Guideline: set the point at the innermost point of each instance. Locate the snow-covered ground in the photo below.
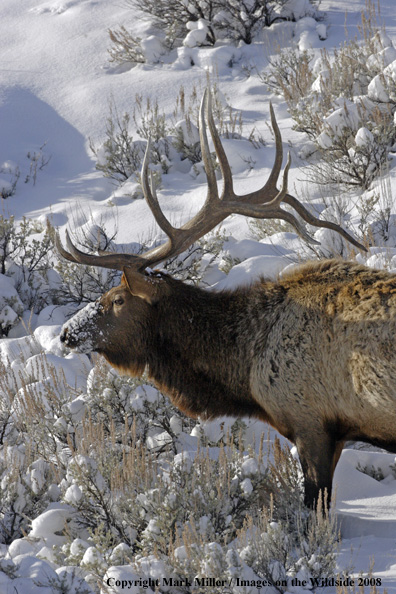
(56, 85)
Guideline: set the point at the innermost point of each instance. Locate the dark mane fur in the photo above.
(199, 356)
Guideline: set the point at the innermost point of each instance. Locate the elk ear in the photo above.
(151, 288)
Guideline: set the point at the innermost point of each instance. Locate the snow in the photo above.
(49, 522)
(376, 90)
(346, 116)
(198, 31)
(56, 84)
(244, 273)
(152, 49)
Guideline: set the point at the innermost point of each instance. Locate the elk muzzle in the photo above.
(81, 332)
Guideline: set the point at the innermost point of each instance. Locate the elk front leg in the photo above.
(319, 453)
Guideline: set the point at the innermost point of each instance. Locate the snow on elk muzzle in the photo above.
(80, 332)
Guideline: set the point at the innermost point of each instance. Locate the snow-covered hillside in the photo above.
(57, 88)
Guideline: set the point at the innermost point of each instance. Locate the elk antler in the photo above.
(264, 203)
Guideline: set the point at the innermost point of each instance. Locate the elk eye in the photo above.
(118, 301)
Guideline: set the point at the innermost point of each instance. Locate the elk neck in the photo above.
(201, 354)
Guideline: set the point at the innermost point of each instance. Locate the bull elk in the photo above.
(312, 353)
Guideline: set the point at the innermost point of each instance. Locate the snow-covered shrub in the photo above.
(79, 284)
(119, 157)
(141, 479)
(289, 74)
(352, 130)
(345, 104)
(115, 479)
(198, 260)
(11, 171)
(186, 140)
(184, 125)
(375, 473)
(128, 49)
(31, 440)
(379, 218)
(173, 17)
(38, 159)
(23, 492)
(278, 551)
(242, 21)
(130, 474)
(134, 443)
(173, 140)
(203, 22)
(228, 120)
(111, 397)
(264, 228)
(25, 269)
(353, 144)
(151, 124)
(8, 183)
(347, 72)
(125, 47)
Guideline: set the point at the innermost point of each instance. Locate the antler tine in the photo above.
(151, 196)
(213, 193)
(272, 210)
(228, 186)
(315, 222)
(111, 260)
(61, 250)
(282, 193)
(269, 190)
(273, 177)
(178, 238)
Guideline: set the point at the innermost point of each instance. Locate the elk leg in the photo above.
(319, 453)
(337, 453)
